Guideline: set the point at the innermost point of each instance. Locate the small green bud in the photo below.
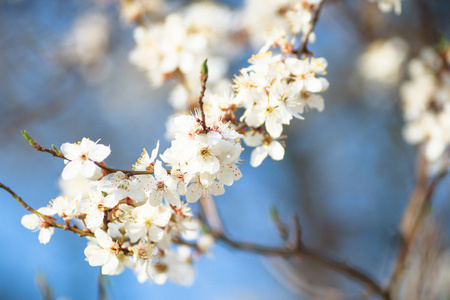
(26, 136)
(204, 69)
(30, 141)
(56, 150)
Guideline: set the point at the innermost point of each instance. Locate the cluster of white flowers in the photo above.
(203, 160)
(127, 222)
(426, 104)
(177, 46)
(273, 90)
(294, 16)
(140, 218)
(387, 6)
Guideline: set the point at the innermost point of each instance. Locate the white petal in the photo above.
(45, 234)
(228, 174)
(434, 149)
(194, 192)
(94, 219)
(172, 197)
(316, 101)
(104, 240)
(135, 231)
(274, 128)
(30, 221)
(99, 153)
(253, 138)
(312, 84)
(111, 266)
(160, 172)
(110, 201)
(325, 84)
(155, 198)
(276, 151)
(155, 234)
(88, 169)
(71, 170)
(206, 179)
(181, 188)
(162, 218)
(154, 152)
(258, 155)
(217, 189)
(96, 256)
(48, 211)
(70, 151)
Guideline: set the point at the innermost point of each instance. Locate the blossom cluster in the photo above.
(133, 220)
(175, 47)
(273, 90)
(141, 218)
(426, 104)
(294, 16)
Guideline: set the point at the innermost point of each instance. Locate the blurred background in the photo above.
(347, 171)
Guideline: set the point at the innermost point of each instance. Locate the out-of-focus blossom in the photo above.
(87, 46)
(382, 61)
(387, 6)
(426, 105)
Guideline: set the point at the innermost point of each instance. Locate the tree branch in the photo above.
(303, 47)
(415, 213)
(49, 219)
(55, 152)
(203, 79)
(210, 214)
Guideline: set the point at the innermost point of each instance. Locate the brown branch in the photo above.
(55, 152)
(414, 215)
(303, 47)
(48, 219)
(353, 272)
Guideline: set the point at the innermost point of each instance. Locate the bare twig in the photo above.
(55, 152)
(282, 228)
(207, 205)
(303, 47)
(48, 219)
(203, 79)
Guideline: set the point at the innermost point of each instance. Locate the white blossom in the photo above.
(34, 222)
(103, 251)
(81, 158)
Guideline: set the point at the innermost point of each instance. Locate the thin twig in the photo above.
(300, 250)
(203, 79)
(48, 219)
(55, 152)
(303, 47)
